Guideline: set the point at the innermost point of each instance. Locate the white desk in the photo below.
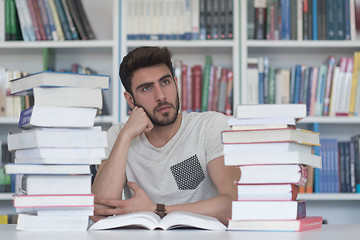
(327, 232)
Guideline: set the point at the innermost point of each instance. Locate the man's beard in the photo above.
(168, 119)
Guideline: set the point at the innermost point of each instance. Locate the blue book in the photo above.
(347, 20)
(297, 84)
(340, 20)
(330, 20)
(314, 19)
(316, 170)
(285, 19)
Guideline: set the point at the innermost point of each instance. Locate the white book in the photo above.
(69, 200)
(46, 169)
(28, 222)
(24, 85)
(56, 184)
(259, 158)
(46, 160)
(152, 221)
(57, 138)
(22, 20)
(26, 11)
(59, 153)
(67, 117)
(335, 91)
(65, 211)
(232, 121)
(68, 97)
(264, 192)
(270, 110)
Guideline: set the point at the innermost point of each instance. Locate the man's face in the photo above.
(154, 90)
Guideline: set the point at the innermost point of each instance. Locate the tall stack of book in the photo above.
(54, 151)
(273, 156)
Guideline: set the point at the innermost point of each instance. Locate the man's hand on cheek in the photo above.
(139, 202)
(138, 123)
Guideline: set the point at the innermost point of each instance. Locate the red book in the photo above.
(184, 90)
(298, 225)
(196, 87)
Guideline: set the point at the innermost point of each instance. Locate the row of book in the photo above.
(330, 89)
(55, 149)
(8, 219)
(274, 162)
(341, 168)
(179, 19)
(11, 105)
(7, 182)
(40, 20)
(205, 88)
(303, 19)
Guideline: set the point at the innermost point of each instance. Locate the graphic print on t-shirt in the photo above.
(188, 174)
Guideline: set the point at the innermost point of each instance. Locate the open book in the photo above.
(152, 221)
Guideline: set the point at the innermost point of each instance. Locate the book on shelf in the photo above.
(268, 210)
(68, 97)
(56, 184)
(265, 192)
(273, 173)
(25, 84)
(270, 135)
(273, 158)
(270, 110)
(32, 222)
(297, 225)
(43, 116)
(46, 169)
(59, 201)
(151, 221)
(55, 137)
(80, 19)
(59, 155)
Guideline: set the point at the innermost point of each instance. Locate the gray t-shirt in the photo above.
(176, 173)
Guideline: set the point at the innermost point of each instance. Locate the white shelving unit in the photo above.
(335, 208)
(101, 54)
(224, 52)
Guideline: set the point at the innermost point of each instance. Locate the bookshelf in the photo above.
(224, 52)
(100, 54)
(337, 208)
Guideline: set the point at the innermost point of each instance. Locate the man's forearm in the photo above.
(218, 207)
(110, 178)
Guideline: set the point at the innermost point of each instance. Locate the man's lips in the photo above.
(163, 108)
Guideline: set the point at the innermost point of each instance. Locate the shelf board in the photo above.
(6, 196)
(329, 196)
(8, 120)
(58, 44)
(301, 44)
(331, 120)
(183, 43)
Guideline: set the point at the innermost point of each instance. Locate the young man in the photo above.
(171, 161)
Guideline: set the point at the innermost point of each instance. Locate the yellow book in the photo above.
(354, 83)
(3, 219)
(57, 22)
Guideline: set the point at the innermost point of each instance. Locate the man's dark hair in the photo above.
(143, 57)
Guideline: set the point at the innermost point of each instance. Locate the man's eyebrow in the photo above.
(145, 84)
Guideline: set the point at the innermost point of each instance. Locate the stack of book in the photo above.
(273, 156)
(55, 149)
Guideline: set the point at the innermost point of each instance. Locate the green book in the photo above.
(205, 83)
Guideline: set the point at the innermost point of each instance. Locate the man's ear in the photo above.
(130, 100)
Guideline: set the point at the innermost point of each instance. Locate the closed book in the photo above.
(56, 184)
(265, 148)
(46, 169)
(93, 160)
(258, 158)
(264, 192)
(270, 135)
(268, 210)
(57, 79)
(70, 200)
(28, 222)
(68, 97)
(232, 121)
(55, 137)
(298, 225)
(58, 154)
(41, 116)
(278, 173)
(270, 110)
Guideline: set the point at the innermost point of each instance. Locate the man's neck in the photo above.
(159, 136)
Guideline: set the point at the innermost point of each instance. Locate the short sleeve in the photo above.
(217, 122)
(112, 134)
